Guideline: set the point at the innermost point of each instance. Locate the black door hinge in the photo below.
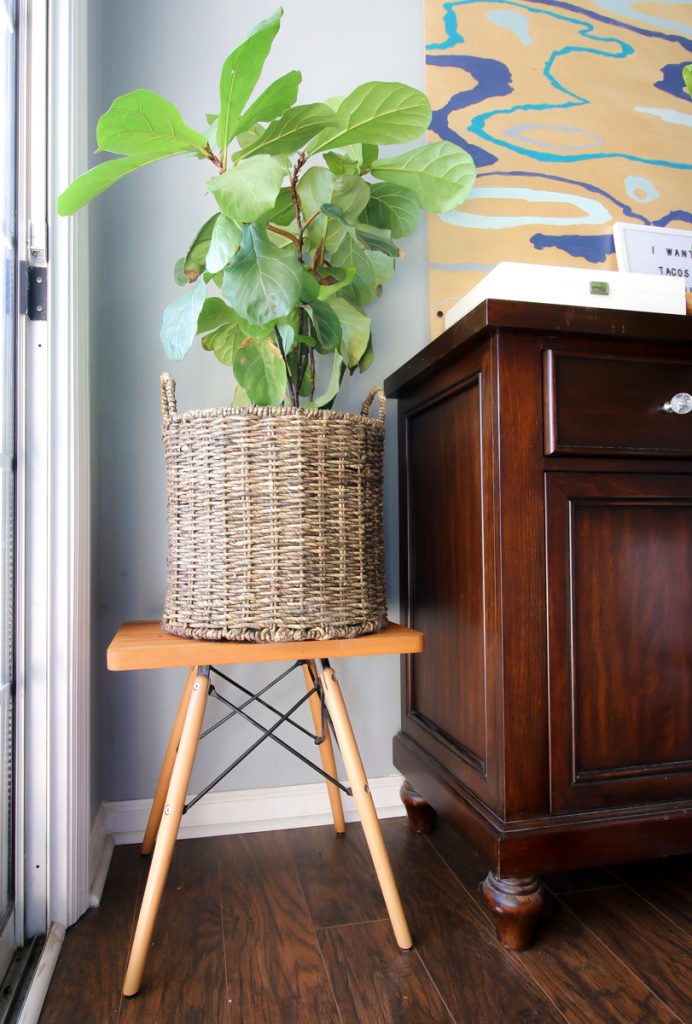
(33, 291)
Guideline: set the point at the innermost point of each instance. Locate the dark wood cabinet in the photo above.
(546, 552)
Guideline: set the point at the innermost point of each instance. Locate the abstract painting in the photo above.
(576, 117)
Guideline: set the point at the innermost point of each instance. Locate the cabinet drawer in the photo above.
(606, 405)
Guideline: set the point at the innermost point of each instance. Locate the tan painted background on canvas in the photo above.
(566, 157)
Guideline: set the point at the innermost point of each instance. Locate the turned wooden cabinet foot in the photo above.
(421, 816)
(516, 904)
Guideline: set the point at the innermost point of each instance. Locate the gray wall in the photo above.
(139, 229)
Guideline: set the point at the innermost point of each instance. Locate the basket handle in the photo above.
(169, 406)
(373, 393)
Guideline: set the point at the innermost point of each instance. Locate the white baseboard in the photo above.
(246, 810)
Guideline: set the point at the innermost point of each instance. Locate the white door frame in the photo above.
(54, 547)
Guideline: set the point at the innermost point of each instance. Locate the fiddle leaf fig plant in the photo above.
(307, 214)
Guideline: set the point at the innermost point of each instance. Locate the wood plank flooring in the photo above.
(290, 928)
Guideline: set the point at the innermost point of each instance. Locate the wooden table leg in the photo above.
(326, 750)
(159, 800)
(517, 905)
(366, 807)
(168, 830)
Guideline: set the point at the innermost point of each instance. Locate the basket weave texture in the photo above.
(275, 526)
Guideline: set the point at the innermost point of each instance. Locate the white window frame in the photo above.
(53, 481)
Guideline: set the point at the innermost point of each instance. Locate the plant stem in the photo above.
(304, 352)
(214, 158)
(293, 184)
(319, 255)
(292, 390)
(314, 374)
(286, 234)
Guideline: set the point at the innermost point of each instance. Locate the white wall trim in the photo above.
(100, 853)
(243, 810)
(36, 996)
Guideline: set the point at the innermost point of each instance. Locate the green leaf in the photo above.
(210, 132)
(282, 212)
(383, 266)
(339, 164)
(352, 195)
(440, 174)
(213, 313)
(195, 261)
(310, 287)
(307, 385)
(260, 371)
(240, 74)
(224, 342)
(179, 325)
(262, 282)
(179, 271)
(363, 287)
(687, 77)
(251, 330)
(91, 184)
(307, 382)
(288, 336)
(225, 239)
(327, 232)
(327, 325)
(247, 191)
(355, 331)
(240, 398)
(349, 198)
(377, 113)
(291, 131)
(377, 239)
(244, 138)
(337, 375)
(367, 284)
(314, 189)
(393, 207)
(305, 339)
(343, 275)
(331, 210)
(364, 155)
(355, 159)
(275, 99)
(366, 360)
(144, 122)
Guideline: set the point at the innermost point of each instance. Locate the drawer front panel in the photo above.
(620, 644)
(601, 405)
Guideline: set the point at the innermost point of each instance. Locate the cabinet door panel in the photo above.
(620, 642)
(451, 693)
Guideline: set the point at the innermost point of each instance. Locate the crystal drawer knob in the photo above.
(680, 404)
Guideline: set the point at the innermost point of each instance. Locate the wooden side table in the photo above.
(144, 645)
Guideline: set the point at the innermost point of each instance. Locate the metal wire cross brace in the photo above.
(318, 737)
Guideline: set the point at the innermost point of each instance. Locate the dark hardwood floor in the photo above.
(290, 928)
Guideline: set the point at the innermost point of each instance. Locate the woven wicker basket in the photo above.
(275, 527)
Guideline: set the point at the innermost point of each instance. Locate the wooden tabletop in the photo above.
(140, 645)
